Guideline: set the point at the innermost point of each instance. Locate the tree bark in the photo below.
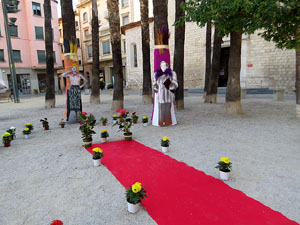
(298, 82)
(233, 93)
(95, 95)
(207, 57)
(50, 91)
(147, 84)
(179, 56)
(114, 26)
(212, 90)
(68, 20)
(160, 12)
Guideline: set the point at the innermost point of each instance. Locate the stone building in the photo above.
(28, 43)
(262, 64)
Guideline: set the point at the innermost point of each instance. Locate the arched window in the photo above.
(133, 54)
(84, 17)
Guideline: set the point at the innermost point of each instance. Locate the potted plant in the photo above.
(115, 119)
(86, 128)
(35, 91)
(62, 123)
(97, 156)
(134, 194)
(45, 123)
(145, 121)
(103, 120)
(26, 132)
(12, 132)
(165, 143)
(30, 126)
(125, 123)
(224, 167)
(6, 139)
(104, 135)
(134, 118)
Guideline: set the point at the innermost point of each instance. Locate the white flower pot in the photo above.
(97, 162)
(26, 136)
(104, 139)
(145, 124)
(164, 149)
(224, 175)
(133, 208)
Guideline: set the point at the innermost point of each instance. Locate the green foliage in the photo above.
(35, 91)
(281, 22)
(26, 132)
(165, 143)
(134, 117)
(124, 123)
(12, 132)
(87, 125)
(110, 86)
(30, 127)
(102, 85)
(98, 155)
(44, 122)
(145, 119)
(135, 198)
(104, 134)
(103, 120)
(6, 137)
(225, 167)
(227, 15)
(62, 122)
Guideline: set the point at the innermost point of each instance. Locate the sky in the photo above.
(75, 2)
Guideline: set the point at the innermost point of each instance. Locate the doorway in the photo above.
(223, 78)
(23, 83)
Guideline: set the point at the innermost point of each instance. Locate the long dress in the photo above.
(163, 113)
(74, 102)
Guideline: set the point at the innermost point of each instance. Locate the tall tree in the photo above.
(147, 86)
(212, 89)
(68, 20)
(179, 55)
(207, 57)
(115, 36)
(95, 95)
(233, 17)
(50, 91)
(160, 12)
(281, 24)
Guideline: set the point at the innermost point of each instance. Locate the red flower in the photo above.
(84, 113)
(56, 222)
(121, 111)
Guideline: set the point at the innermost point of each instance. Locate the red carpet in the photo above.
(180, 194)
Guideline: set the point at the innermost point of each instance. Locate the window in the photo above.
(86, 34)
(13, 30)
(124, 3)
(133, 56)
(41, 56)
(89, 51)
(52, 34)
(17, 55)
(2, 55)
(125, 20)
(105, 47)
(76, 23)
(78, 43)
(36, 8)
(54, 58)
(85, 17)
(124, 46)
(39, 33)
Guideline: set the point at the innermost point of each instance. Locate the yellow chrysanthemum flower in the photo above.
(28, 124)
(136, 188)
(97, 150)
(100, 150)
(103, 131)
(165, 138)
(225, 160)
(144, 117)
(114, 115)
(6, 134)
(26, 129)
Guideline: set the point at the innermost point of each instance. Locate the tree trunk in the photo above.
(50, 92)
(207, 57)
(298, 82)
(147, 85)
(114, 26)
(68, 20)
(95, 95)
(160, 12)
(179, 56)
(233, 93)
(212, 90)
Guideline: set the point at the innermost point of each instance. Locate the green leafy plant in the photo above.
(145, 119)
(224, 164)
(12, 133)
(30, 126)
(110, 86)
(103, 120)
(26, 131)
(6, 137)
(87, 125)
(98, 153)
(35, 91)
(62, 122)
(104, 134)
(134, 117)
(135, 193)
(124, 122)
(165, 142)
(102, 85)
(44, 122)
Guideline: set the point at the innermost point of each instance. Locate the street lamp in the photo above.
(11, 6)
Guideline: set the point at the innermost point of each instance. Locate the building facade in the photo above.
(28, 44)
(262, 64)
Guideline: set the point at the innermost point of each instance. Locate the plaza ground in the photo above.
(50, 176)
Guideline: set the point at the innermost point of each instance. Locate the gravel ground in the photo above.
(50, 176)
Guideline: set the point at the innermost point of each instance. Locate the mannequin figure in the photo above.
(164, 86)
(74, 93)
